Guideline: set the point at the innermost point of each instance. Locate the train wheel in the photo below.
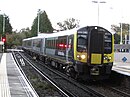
(40, 58)
(70, 72)
(53, 64)
(34, 57)
(47, 62)
(57, 65)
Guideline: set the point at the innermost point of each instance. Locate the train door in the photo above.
(70, 48)
(96, 50)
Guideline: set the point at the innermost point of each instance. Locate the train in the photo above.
(85, 53)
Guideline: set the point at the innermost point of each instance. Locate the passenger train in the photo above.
(83, 53)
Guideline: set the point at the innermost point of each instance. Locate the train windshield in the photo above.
(107, 42)
(100, 41)
(82, 40)
(96, 41)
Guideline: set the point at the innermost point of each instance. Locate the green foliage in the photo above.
(68, 24)
(117, 38)
(45, 25)
(117, 29)
(8, 27)
(26, 33)
(15, 39)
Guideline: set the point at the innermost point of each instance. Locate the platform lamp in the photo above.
(121, 35)
(98, 7)
(129, 34)
(3, 34)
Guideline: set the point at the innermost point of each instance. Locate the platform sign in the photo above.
(124, 59)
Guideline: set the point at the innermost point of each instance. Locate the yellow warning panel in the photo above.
(96, 58)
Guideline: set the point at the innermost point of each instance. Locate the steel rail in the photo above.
(62, 91)
(28, 93)
(84, 88)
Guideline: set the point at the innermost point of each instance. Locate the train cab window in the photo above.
(107, 42)
(82, 40)
(96, 41)
(104, 43)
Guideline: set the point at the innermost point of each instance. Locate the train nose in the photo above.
(94, 71)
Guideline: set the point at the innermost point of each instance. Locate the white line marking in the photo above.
(4, 85)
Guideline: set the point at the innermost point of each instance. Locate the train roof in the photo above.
(56, 34)
(37, 37)
(62, 33)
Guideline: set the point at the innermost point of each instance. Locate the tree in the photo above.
(15, 39)
(8, 27)
(45, 25)
(117, 38)
(12, 40)
(117, 29)
(68, 24)
(26, 32)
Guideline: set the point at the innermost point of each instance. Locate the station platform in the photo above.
(12, 81)
(122, 68)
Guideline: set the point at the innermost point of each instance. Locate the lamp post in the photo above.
(98, 7)
(3, 36)
(38, 23)
(4, 23)
(121, 35)
(2, 32)
(129, 34)
(3, 28)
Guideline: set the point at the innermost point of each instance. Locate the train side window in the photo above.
(54, 43)
(46, 44)
(49, 43)
(28, 43)
(61, 43)
(38, 44)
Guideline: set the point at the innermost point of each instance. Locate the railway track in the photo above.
(122, 93)
(109, 90)
(68, 87)
(113, 86)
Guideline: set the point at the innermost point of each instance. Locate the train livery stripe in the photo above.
(75, 46)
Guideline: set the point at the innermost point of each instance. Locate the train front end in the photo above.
(94, 52)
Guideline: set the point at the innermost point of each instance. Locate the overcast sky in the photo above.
(23, 12)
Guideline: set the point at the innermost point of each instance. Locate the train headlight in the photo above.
(110, 58)
(78, 56)
(83, 56)
(105, 57)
